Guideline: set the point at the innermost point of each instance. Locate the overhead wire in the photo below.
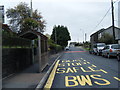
(105, 15)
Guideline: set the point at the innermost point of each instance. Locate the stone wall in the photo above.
(15, 59)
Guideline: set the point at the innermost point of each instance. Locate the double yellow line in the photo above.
(51, 77)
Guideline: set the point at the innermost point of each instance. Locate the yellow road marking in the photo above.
(51, 77)
(94, 65)
(88, 62)
(117, 78)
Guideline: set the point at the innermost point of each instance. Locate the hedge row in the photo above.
(15, 42)
(55, 47)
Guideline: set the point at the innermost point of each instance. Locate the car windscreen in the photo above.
(100, 45)
(115, 46)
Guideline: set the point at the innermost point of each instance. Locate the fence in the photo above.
(15, 59)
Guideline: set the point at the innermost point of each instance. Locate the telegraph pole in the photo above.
(31, 9)
(113, 20)
(55, 36)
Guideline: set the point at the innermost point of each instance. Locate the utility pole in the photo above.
(55, 36)
(31, 9)
(113, 20)
(85, 37)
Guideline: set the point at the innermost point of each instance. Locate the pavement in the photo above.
(77, 69)
(28, 78)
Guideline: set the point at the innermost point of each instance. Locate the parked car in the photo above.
(111, 50)
(118, 55)
(97, 48)
(66, 48)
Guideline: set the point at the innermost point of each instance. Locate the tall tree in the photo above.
(20, 15)
(60, 35)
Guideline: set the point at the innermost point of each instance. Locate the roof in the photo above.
(32, 34)
(6, 27)
(101, 30)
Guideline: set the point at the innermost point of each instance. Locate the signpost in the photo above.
(1, 21)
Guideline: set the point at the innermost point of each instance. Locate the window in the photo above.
(107, 47)
(115, 46)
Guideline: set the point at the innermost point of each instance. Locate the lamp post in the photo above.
(82, 33)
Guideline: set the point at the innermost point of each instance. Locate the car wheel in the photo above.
(102, 55)
(118, 57)
(90, 52)
(97, 54)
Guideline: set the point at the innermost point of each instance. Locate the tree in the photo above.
(28, 24)
(20, 15)
(60, 35)
(107, 38)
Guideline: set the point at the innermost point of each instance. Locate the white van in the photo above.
(97, 48)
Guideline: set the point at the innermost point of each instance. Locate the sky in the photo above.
(79, 16)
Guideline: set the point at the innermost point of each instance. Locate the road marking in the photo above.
(51, 77)
(92, 69)
(83, 80)
(88, 62)
(94, 65)
(74, 51)
(117, 78)
(81, 58)
(98, 77)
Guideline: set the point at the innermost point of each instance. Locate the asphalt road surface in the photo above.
(77, 68)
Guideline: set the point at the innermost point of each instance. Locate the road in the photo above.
(77, 68)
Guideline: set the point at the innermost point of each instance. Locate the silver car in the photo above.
(111, 50)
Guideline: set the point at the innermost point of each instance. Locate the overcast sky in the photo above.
(80, 16)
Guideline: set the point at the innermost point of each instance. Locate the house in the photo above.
(94, 38)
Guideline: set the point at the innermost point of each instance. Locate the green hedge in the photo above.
(55, 47)
(15, 42)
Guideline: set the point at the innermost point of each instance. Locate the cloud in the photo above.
(75, 14)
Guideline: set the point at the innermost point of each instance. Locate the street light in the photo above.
(82, 33)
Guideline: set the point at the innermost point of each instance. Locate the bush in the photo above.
(58, 48)
(10, 39)
(53, 46)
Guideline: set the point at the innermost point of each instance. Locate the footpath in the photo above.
(27, 79)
